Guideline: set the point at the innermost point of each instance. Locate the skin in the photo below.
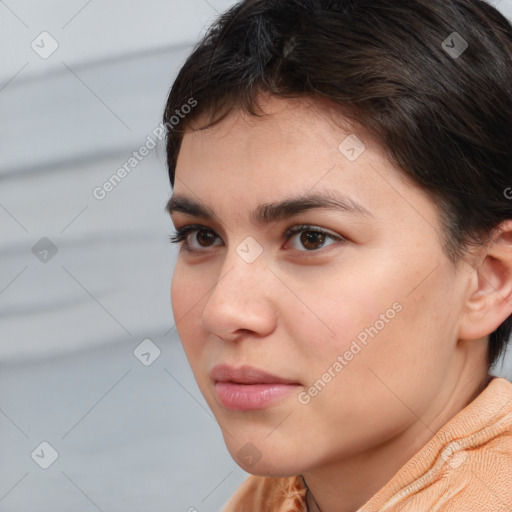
(295, 309)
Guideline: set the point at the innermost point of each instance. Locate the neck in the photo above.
(346, 485)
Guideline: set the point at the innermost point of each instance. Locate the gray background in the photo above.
(129, 437)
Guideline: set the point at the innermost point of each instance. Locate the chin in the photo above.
(270, 470)
(265, 460)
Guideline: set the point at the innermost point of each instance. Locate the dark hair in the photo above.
(441, 110)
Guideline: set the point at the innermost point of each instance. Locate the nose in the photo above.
(241, 303)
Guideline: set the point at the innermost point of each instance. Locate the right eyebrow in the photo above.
(183, 204)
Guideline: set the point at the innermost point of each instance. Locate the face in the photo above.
(336, 314)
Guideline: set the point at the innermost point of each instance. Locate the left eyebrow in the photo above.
(275, 211)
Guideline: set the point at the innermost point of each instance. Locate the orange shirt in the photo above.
(465, 467)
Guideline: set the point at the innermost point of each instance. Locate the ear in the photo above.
(490, 301)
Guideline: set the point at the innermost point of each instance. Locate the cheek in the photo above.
(335, 312)
(178, 293)
(368, 317)
(185, 301)
(186, 292)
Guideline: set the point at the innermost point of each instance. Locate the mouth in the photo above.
(247, 388)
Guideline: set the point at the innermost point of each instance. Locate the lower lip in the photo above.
(250, 397)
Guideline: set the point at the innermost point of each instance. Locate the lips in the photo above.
(246, 375)
(247, 388)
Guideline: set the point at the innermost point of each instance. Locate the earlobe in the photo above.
(489, 303)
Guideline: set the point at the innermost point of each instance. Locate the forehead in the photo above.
(294, 148)
(293, 143)
(286, 123)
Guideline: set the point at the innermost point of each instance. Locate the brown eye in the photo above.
(312, 240)
(195, 238)
(205, 238)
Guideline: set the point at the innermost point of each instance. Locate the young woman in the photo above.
(342, 174)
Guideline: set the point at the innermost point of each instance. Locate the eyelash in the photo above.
(182, 233)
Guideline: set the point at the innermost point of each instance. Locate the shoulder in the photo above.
(467, 465)
(475, 463)
(265, 494)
